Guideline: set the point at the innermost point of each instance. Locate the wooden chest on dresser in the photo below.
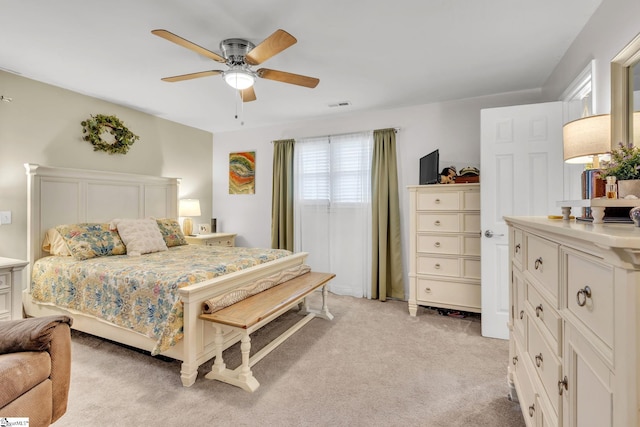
(574, 322)
(444, 247)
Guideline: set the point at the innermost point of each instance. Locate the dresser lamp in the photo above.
(187, 209)
(587, 140)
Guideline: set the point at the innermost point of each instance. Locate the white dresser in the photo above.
(444, 247)
(575, 322)
(11, 282)
(212, 239)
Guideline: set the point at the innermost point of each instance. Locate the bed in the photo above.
(74, 196)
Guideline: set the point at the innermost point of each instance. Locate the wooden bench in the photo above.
(252, 313)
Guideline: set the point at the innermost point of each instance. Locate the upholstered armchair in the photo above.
(35, 368)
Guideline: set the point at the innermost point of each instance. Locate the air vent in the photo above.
(340, 104)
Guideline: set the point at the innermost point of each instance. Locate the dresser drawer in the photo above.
(546, 363)
(471, 245)
(590, 294)
(429, 243)
(444, 201)
(546, 316)
(471, 268)
(448, 293)
(518, 301)
(518, 247)
(471, 200)
(524, 385)
(438, 266)
(471, 223)
(542, 263)
(5, 281)
(439, 222)
(220, 242)
(5, 304)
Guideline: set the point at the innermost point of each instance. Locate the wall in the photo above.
(452, 127)
(42, 125)
(612, 26)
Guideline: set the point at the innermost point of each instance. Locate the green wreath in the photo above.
(96, 125)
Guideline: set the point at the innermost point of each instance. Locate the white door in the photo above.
(521, 174)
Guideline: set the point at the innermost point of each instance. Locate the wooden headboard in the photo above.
(68, 196)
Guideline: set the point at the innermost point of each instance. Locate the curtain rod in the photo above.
(395, 129)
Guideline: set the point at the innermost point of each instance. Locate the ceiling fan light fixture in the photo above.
(238, 79)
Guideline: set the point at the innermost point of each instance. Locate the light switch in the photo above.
(5, 217)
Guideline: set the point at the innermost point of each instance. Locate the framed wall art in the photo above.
(242, 169)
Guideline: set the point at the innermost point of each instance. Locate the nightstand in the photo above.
(11, 288)
(212, 239)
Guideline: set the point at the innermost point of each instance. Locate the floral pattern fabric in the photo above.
(139, 293)
(171, 232)
(90, 240)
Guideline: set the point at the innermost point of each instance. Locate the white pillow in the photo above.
(55, 244)
(140, 236)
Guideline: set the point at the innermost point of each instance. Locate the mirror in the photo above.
(635, 90)
(625, 88)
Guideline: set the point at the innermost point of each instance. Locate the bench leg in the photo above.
(240, 377)
(218, 364)
(323, 313)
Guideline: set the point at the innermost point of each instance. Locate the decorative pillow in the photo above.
(140, 236)
(55, 244)
(171, 232)
(90, 240)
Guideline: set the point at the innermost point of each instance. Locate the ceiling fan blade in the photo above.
(189, 45)
(191, 76)
(248, 94)
(282, 76)
(272, 45)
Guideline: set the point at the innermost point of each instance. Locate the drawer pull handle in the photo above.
(539, 310)
(532, 410)
(564, 384)
(518, 248)
(538, 263)
(515, 360)
(582, 295)
(427, 290)
(437, 201)
(437, 223)
(539, 360)
(436, 244)
(521, 314)
(437, 266)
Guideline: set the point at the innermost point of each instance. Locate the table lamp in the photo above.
(587, 140)
(187, 209)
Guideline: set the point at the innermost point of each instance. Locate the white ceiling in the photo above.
(375, 55)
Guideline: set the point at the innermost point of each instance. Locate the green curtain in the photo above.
(282, 191)
(386, 272)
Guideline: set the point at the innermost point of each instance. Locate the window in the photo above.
(335, 170)
(332, 180)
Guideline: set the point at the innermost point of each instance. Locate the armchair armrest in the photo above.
(32, 334)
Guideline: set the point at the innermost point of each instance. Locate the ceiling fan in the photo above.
(240, 55)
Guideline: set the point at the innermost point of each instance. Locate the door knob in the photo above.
(490, 234)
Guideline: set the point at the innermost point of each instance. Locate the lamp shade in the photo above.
(584, 140)
(238, 79)
(189, 207)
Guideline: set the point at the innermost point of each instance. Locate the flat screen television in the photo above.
(429, 168)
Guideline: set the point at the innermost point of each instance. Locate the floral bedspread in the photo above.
(139, 293)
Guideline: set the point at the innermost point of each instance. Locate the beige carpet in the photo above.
(373, 365)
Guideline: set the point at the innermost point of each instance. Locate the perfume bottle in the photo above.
(611, 188)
